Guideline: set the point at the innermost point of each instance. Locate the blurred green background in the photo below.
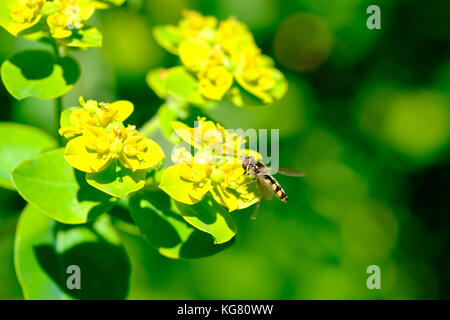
(367, 115)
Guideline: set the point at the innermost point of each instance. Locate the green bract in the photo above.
(117, 180)
(160, 223)
(208, 217)
(85, 38)
(39, 74)
(49, 183)
(44, 250)
(18, 143)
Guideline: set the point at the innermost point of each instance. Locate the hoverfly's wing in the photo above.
(264, 190)
(285, 171)
(292, 172)
(268, 171)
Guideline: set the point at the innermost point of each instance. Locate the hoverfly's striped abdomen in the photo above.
(276, 188)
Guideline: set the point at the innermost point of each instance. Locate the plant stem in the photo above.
(55, 47)
(150, 126)
(58, 100)
(178, 108)
(58, 111)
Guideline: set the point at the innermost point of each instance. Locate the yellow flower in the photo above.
(78, 119)
(24, 14)
(214, 82)
(70, 16)
(195, 54)
(92, 113)
(234, 36)
(195, 25)
(63, 17)
(230, 182)
(181, 155)
(256, 74)
(216, 167)
(98, 137)
(218, 55)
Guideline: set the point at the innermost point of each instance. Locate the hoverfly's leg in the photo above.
(255, 212)
(249, 181)
(247, 174)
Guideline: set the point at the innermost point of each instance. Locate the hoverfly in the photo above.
(267, 184)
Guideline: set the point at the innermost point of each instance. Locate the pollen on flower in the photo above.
(217, 176)
(204, 157)
(181, 155)
(116, 148)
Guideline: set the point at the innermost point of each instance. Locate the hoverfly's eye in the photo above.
(245, 163)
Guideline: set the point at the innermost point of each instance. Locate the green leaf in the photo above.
(166, 116)
(44, 249)
(86, 37)
(5, 17)
(155, 80)
(39, 74)
(281, 85)
(242, 98)
(49, 8)
(114, 2)
(182, 84)
(161, 225)
(117, 180)
(52, 185)
(18, 143)
(168, 37)
(65, 116)
(208, 216)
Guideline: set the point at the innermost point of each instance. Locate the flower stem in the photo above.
(150, 126)
(58, 111)
(58, 100)
(55, 47)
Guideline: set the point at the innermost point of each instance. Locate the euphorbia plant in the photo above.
(101, 168)
(218, 61)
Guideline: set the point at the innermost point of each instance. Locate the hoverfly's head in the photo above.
(247, 161)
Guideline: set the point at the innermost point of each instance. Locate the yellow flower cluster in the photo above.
(70, 16)
(98, 136)
(219, 53)
(216, 167)
(24, 14)
(63, 16)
